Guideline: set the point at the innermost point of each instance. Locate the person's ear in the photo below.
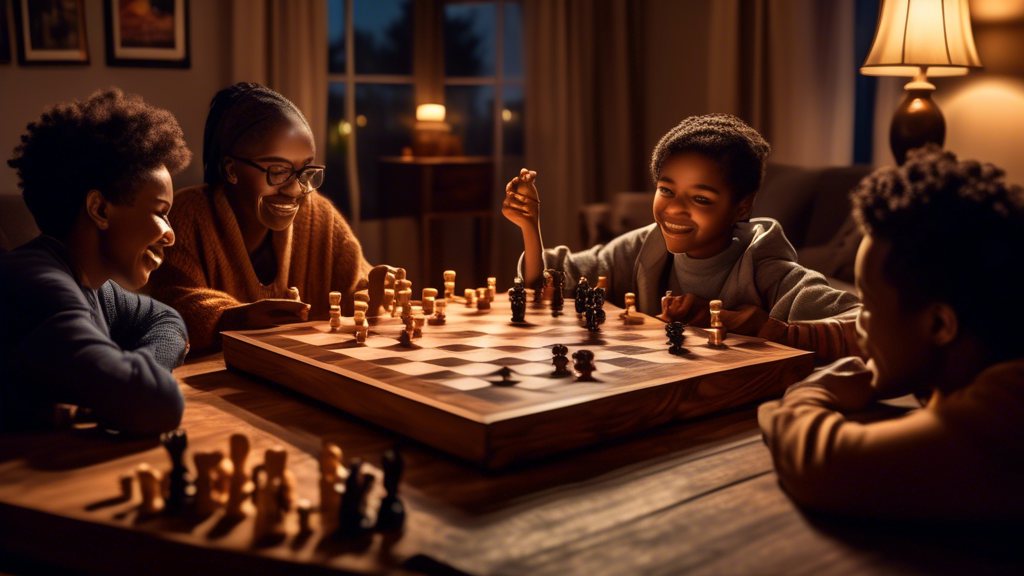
(743, 209)
(227, 170)
(944, 324)
(96, 208)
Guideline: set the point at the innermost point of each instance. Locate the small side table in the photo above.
(447, 188)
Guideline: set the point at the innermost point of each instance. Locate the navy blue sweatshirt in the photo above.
(110, 350)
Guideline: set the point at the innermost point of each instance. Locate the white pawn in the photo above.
(429, 297)
(492, 288)
(449, 284)
(332, 484)
(239, 504)
(359, 316)
(470, 295)
(335, 300)
(439, 308)
(482, 303)
(151, 487)
(628, 315)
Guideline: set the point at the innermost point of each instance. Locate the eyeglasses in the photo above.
(310, 177)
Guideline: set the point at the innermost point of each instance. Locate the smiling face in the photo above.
(898, 342)
(694, 206)
(287, 143)
(133, 243)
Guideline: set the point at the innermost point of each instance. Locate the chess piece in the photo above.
(583, 365)
(332, 484)
(429, 297)
(182, 485)
(439, 309)
(674, 331)
(506, 377)
(388, 301)
(629, 315)
(602, 282)
(400, 284)
(470, 295)
(560, 361)
(717, 331)
(557, 285)
(482, 303)
(335, 307)
(405, 299)
(151, 487)
(417, 326)
(359, 319)
(449, 284)
(293, 294)
(580, 296)
(391, 515)
(517, 299)
(406, 336)
(275, 493)
(599, 293)
(126, 481)
(352, 520)
(492, 288)
(305, 510)
(213, 481)
(239, 504)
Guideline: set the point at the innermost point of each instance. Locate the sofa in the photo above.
(812, 204)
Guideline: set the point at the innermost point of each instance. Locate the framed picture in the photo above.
(50, 32)
(5, 38)
(152, 33)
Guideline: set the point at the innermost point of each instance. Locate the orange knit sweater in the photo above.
(208, 268)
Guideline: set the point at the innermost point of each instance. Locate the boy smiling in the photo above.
(707, 171)
(940, 319)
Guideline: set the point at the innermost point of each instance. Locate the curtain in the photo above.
(583, 126)
(787, 68)
(282, 44)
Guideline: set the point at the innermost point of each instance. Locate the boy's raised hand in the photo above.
(522, 202)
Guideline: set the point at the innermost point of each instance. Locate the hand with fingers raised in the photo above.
(522, 202)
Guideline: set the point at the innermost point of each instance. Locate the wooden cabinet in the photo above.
(451, 198)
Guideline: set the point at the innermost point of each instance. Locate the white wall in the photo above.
(26, 90)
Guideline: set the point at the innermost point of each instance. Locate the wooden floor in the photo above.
(698, 497)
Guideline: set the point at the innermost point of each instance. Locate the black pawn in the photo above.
(599, 294)
(351, 520)
(517, 298)
(392, 511)
(560, 361)
(674, 331)
(583, 365)
(557, 299)
(581, 295)
(182, 486)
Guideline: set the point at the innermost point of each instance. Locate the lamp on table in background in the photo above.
(917, 38)
(432, 135)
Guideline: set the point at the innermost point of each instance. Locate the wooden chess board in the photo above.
(442, 390)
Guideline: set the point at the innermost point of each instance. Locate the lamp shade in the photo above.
(430, 113)
(922, 33)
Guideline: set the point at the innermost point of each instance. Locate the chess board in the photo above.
(445, 390)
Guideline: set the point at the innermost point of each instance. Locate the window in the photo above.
(372, 94)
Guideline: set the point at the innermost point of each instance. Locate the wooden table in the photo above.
(697, 497)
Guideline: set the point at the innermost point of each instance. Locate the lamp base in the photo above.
(917, 122)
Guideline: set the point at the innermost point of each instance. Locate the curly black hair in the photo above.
(237, 113)
(739, 149)
(107, 142)
(956, 231)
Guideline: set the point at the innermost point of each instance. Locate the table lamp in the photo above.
(917, 38)
(430, 133)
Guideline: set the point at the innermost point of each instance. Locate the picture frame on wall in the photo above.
(147, 34)
(50, 32)
(5, 38)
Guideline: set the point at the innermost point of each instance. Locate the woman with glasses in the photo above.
(257, 226)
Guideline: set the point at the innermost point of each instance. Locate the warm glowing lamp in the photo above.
(917, 38)
(431, 131)
(430, 113)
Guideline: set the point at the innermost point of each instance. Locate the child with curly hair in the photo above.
(96, 176)
(703, 246)
(942, 320)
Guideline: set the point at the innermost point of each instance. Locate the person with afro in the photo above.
(96, 176)
(941, 320)
(703, 246)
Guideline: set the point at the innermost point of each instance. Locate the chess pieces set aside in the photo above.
(353, 500)
(583, 363)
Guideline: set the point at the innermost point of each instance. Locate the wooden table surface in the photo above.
(697, 497)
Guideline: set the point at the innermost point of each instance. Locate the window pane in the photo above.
(336, 36)
(469, 31)
(339, 138)
(470, 111)
(512, 39)
(383, 36)
(384, 120)
(512, 120)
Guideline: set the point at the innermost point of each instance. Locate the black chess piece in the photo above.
(182, 486)
(674, 331)
(352, 522)
(599, 294)
(560, 361)
(583, 365)
(517, 298)
(391, 516)
(558, 284)
(506, 377)
(581, 295)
